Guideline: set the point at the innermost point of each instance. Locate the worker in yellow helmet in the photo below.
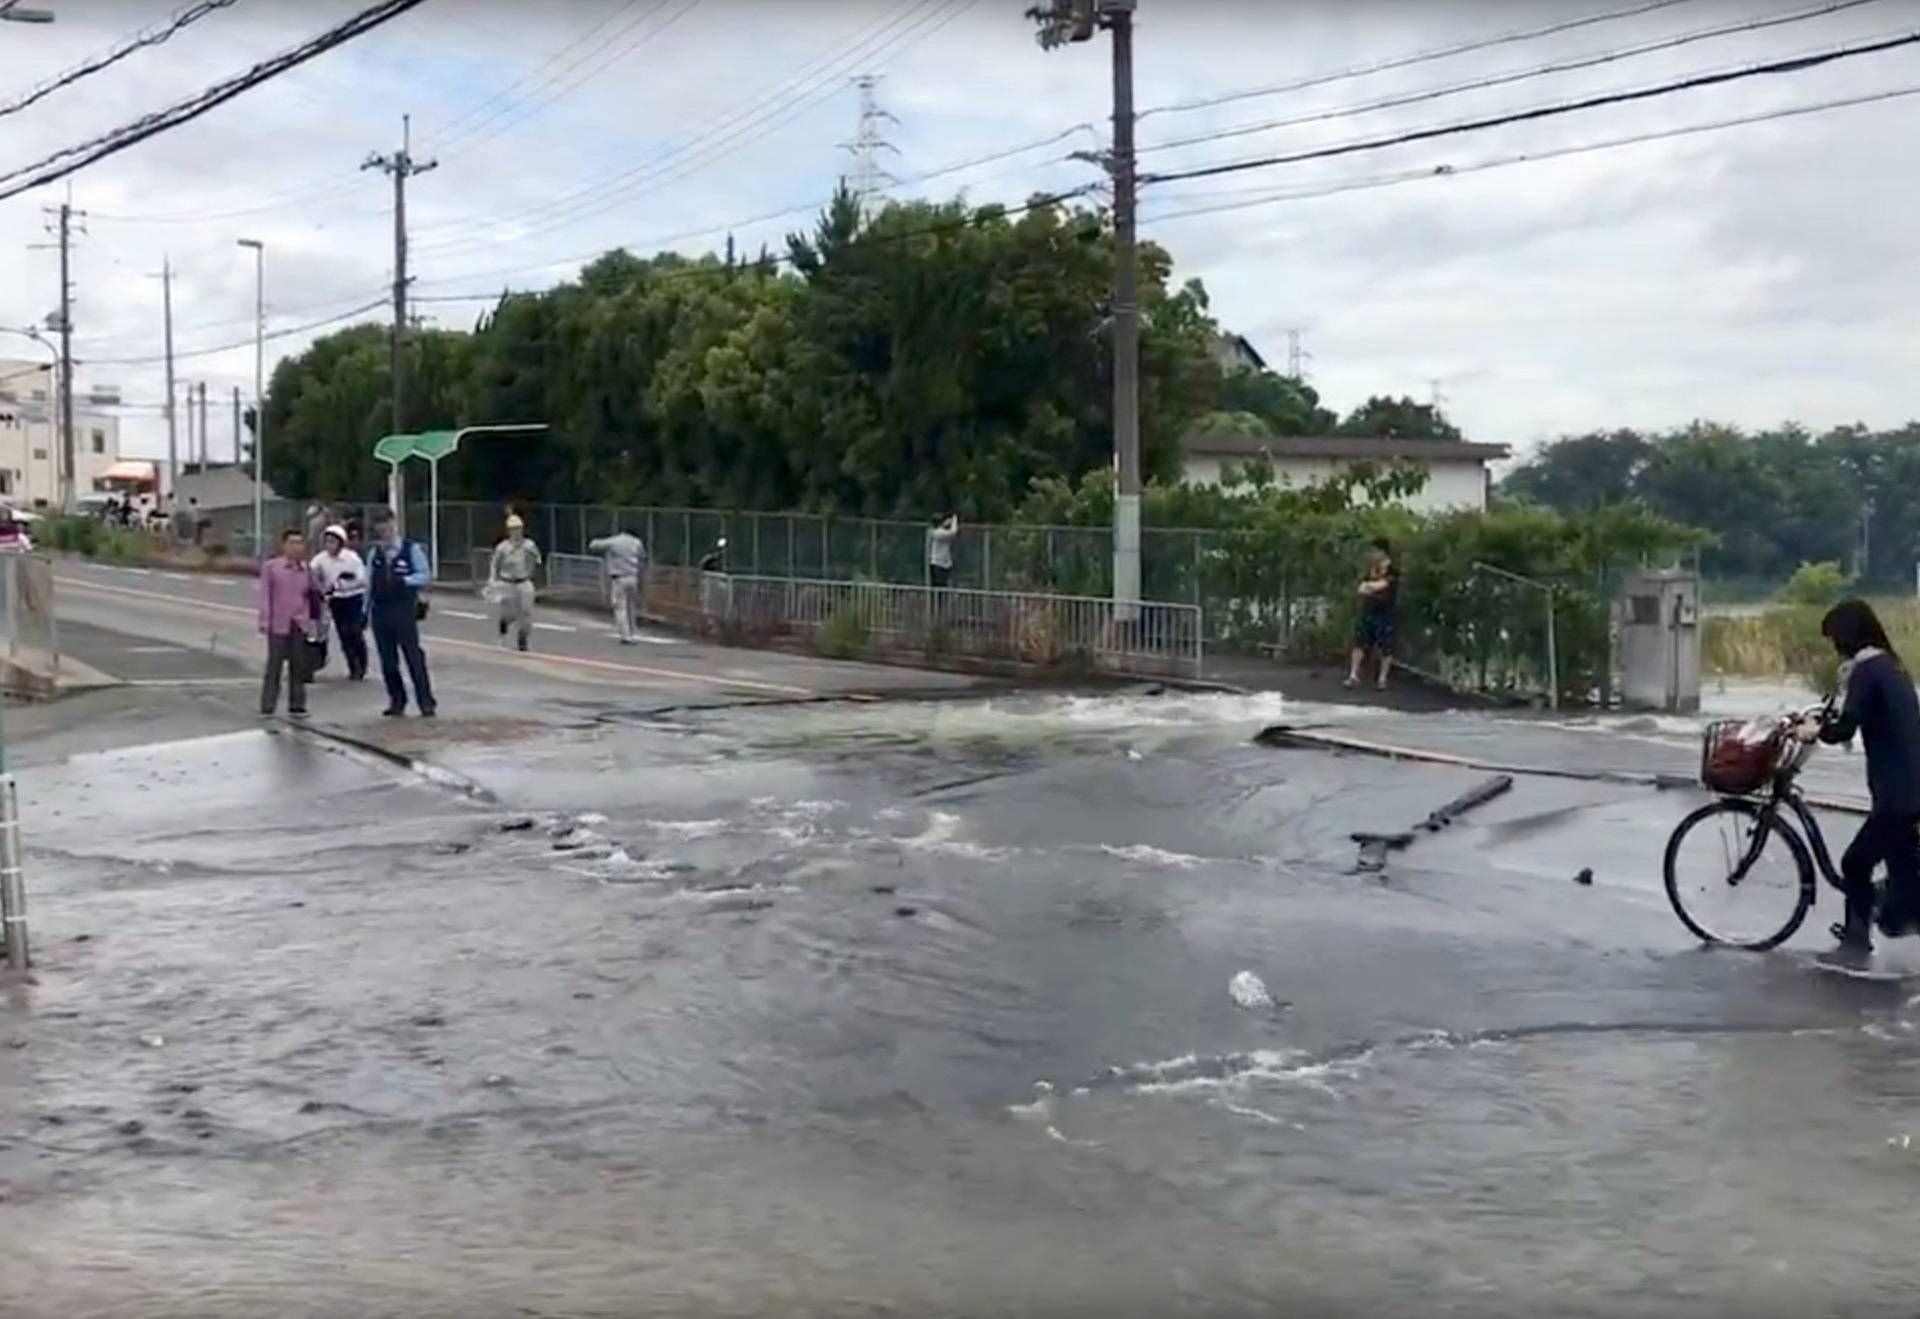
(510, 580)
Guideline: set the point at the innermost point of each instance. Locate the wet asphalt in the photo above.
(988, 1004)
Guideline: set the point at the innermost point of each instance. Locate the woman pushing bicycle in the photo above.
(1878, 702)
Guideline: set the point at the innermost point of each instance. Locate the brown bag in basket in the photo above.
(1739, 757)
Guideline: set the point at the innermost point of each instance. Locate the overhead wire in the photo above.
(772, 111)
(1268, 197)
(248, 342)
(1232, 131)
(71, 159)
(1408, 61)
(599, 60)
(139, 41)
(1792, 64)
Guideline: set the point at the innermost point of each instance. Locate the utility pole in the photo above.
(206, 455)
(401, 166)
(869, 180)
(1071, 21)
(236, 425)
(63, 226)
(173, 433)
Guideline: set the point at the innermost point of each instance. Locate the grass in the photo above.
(1785, 642)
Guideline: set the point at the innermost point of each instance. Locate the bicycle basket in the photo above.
(1740, 756)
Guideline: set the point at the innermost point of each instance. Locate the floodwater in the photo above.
(1034, 1006)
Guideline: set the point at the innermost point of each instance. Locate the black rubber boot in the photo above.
(1854, 933)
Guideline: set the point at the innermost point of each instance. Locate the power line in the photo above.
(247, 342)
(1795, 64)
(138, 42)
(1506, 79)
(977, 216)
(1408, 61)
(712, 144)
(507, 117)
(69, 160)
(659, 240)
(445, 132)
(1269, 198)
(334, 182)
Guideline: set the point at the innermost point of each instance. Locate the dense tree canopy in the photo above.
(1772, 500)
(928, 357)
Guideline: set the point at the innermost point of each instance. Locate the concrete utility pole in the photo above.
(173, 433)
(65, 215)
(401, 166)
(236, 425)
(206, 447)
(1077, 20)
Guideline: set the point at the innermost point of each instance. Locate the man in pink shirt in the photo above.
(287, 622)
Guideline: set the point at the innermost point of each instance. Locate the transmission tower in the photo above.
(869, 179)
(1297, 355)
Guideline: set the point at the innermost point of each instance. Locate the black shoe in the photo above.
(430, 712)
(503, 627)
(523, 643)
(1852, 936)
(297, 714)
(395, 712)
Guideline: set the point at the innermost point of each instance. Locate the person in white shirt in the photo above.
(340, 576)
(940, 550)
(626, 558)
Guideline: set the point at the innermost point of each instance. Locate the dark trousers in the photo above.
(288, 650)
(350, 624)
(1884, 839)
(396, 635)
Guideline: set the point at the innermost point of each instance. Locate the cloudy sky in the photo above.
(1754, 274)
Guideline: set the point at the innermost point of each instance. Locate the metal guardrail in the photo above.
(1160, 640)
(581, 577)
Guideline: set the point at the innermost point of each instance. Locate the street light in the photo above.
(259, 391)
(11, 12)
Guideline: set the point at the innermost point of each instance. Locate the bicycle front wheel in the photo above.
(1739, 875)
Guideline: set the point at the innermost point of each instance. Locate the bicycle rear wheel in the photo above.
(1732, 884)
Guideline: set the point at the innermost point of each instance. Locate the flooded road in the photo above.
(1037, 1005)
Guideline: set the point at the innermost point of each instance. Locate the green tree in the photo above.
(1383, 417)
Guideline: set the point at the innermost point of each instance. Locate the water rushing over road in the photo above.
(921, 1008)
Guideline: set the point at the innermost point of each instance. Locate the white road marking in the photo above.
(479, 649)
(139, 572)
(156, 650)
(176, 577)
(461, 613)
(553, 627)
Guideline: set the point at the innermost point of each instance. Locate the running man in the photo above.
(515, 561)
(626, 556)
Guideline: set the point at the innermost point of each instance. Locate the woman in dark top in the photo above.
(1878, 703)
(1379, 606)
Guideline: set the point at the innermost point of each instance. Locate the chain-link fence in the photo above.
(1467, 624)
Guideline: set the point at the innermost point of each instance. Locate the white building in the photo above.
(30, 437)
(1459, 474)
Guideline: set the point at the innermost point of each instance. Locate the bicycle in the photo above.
(1754, 768)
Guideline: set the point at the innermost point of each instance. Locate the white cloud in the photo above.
(1753, 274)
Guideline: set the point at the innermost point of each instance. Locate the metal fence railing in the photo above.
(1048, 631)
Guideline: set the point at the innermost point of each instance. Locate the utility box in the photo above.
(1659, 630)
